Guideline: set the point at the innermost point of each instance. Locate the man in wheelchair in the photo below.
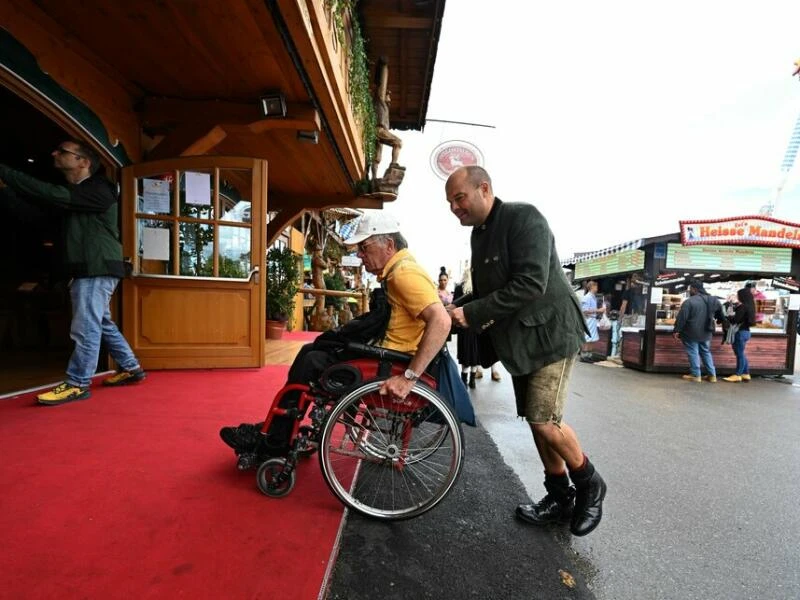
(413, 321)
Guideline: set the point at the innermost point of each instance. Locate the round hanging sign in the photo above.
(449, 156)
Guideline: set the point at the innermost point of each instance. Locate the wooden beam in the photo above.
(193, 128)
(191, 139)
(405, 75)
(166, 112)
(399, 22)
(299, 118)
(282, 201)
(280, 222)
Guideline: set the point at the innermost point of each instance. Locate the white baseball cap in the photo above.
(375, 222)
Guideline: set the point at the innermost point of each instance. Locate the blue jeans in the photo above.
(696, 351)
(91, 324)
(616, 337)
(739, 342)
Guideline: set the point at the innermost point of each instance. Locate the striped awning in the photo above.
(584, 256)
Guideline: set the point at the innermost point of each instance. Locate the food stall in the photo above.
(613, 269)
(724, 254)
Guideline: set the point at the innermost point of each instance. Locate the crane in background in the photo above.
(788, 160)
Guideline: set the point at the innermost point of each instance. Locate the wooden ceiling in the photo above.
(406, 32)
(188, 76)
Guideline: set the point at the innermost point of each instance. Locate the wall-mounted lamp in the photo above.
(310, 137)
(273, 104)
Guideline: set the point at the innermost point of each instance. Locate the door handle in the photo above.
(254, 275)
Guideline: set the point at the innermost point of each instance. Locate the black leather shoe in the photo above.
(243, 438)
(588, 506)
(548, 510)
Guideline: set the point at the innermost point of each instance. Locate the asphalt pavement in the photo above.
(703, 482)
(702, 501)
(469, 546)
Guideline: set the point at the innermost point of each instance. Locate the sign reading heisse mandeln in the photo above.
(449, 156)
(741, 231)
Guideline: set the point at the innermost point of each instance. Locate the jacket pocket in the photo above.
(540, 316)
(537, 326)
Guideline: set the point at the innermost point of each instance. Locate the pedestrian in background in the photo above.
(466, 340)
(743, 318)
(694, 327)
(445, 295)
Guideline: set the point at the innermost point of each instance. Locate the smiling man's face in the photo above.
(470, 203)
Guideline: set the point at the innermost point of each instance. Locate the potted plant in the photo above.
(283, 282)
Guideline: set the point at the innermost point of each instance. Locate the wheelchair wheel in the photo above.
(272, 478)
(391, 459)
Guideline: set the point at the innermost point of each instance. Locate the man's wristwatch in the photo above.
(410, 375)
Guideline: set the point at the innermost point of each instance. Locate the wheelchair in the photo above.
(382, 457)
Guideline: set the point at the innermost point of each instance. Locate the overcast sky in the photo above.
(615, 119)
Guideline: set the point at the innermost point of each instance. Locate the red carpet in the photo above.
(300, 336)
(131, 494)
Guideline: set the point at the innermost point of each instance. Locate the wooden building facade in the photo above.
(222, 122)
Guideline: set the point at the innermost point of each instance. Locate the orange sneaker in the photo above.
(63, 393)
(125, 378)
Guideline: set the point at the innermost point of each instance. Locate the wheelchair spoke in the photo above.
(391, 460)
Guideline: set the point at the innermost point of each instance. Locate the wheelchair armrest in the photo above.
(378, 352)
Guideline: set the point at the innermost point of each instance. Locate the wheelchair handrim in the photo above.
(347, 495)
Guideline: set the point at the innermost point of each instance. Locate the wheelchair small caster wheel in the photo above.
(273, 480)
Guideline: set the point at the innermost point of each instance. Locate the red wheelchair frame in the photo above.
(404, 455)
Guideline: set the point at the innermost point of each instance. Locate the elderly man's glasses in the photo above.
(362, 246)
(62, 150)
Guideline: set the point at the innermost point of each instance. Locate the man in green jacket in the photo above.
(93, 257)
(529, 318)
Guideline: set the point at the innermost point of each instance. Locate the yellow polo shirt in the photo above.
(410, 291)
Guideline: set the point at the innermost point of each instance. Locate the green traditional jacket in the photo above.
(92, 245)
(522, 303)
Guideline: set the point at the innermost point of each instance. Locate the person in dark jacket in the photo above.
(529, 318)
(467, 341)
(694, 327)
(93, 257)
(743, 317)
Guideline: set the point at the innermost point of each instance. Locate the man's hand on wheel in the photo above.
(396, 387)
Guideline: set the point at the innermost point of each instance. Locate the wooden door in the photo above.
(194, 229)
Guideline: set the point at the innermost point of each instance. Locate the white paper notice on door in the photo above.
(794, 301)
(198, 188)
(656, 295)
(155, 194)
(155, 243)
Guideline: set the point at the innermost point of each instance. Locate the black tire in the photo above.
(391, 460)
(272, 480)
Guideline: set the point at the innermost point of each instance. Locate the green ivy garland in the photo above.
(360, 95)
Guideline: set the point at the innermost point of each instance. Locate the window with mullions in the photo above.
(197, 227)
